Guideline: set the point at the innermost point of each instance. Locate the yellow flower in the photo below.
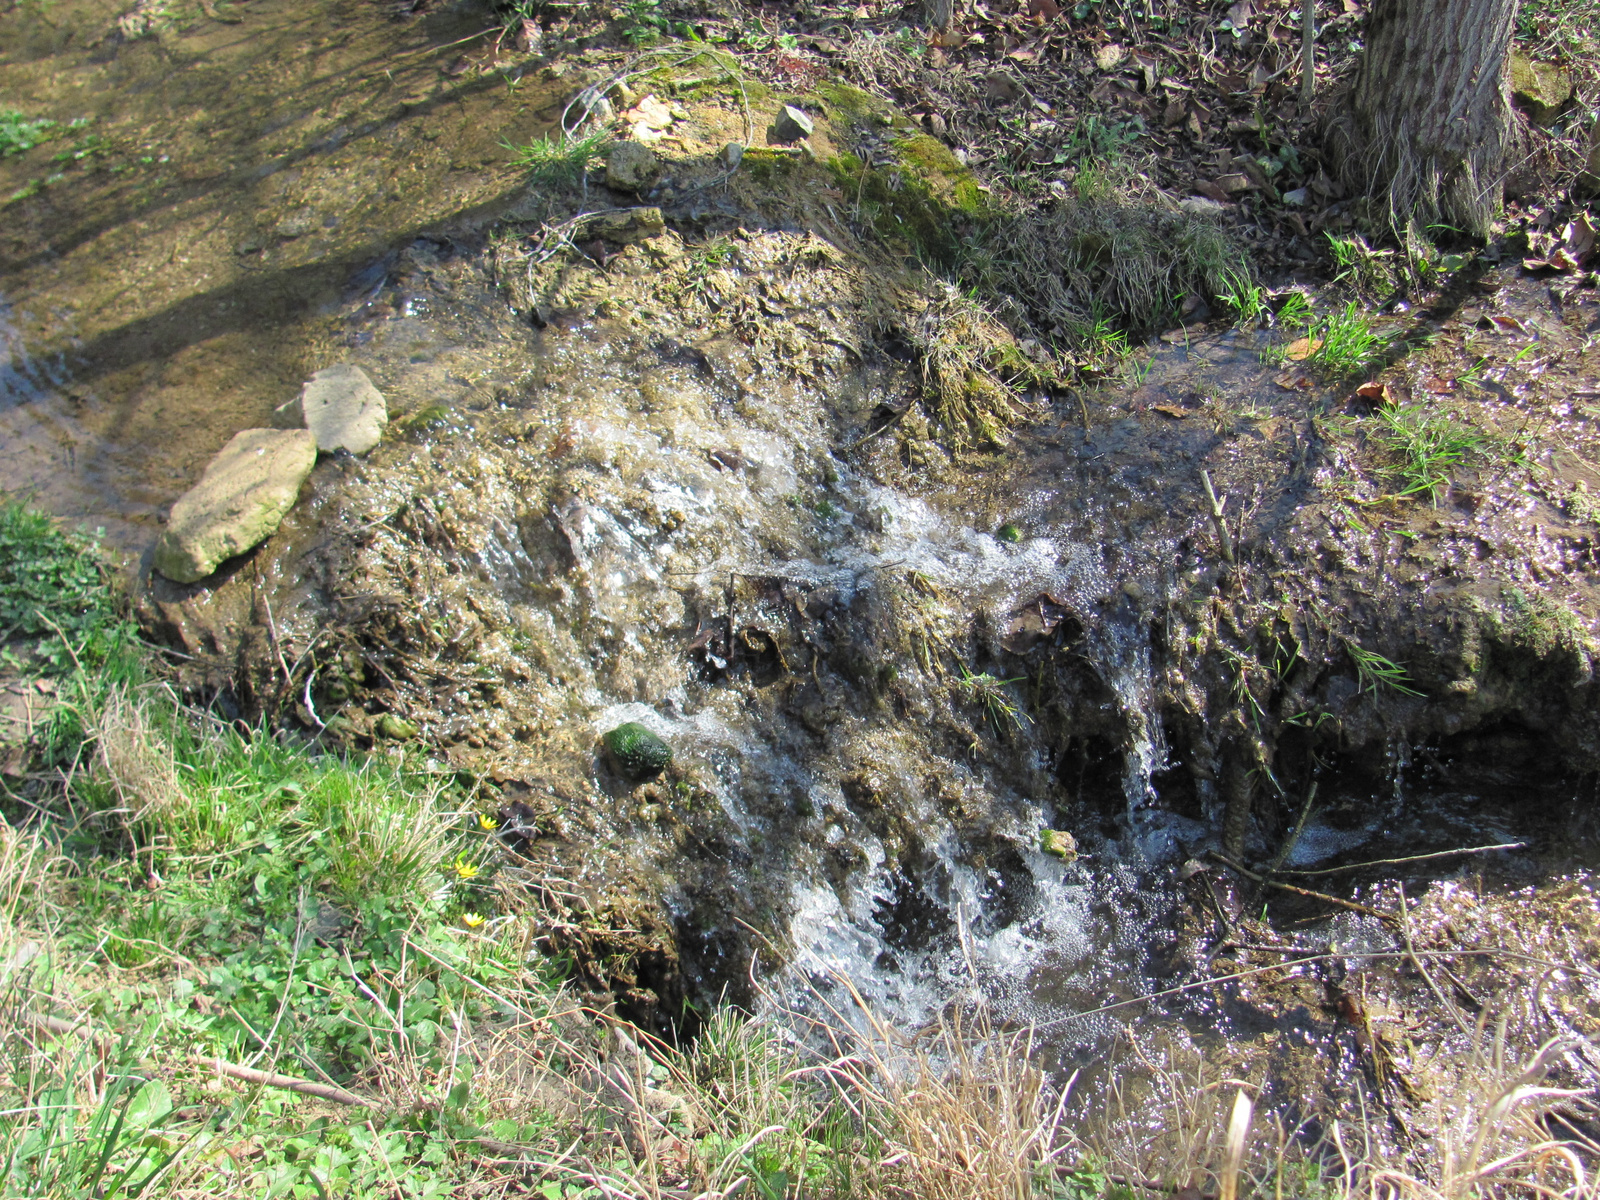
(464, 869)
(487, 823)
(471, 920)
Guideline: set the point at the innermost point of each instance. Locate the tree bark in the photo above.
(1426, 128)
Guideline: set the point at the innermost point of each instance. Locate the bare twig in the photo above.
(1438, 994)
(1294, 837)
(1224, 538)
(1307, 892)
(323, 1091)
(1410, 858)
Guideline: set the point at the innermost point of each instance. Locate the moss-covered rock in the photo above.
(637, 753)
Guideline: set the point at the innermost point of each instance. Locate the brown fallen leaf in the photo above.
(1302, 348)
(1109, 56)
(1290, 382)
(1440, 386)
(1376, 392)
(1211, 191)
(1043, 10)
(1506, 324)
(1170, 410)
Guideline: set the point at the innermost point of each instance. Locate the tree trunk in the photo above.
(1426, 127)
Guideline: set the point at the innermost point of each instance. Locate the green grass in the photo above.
(1246, 298)
(54, 595)
(1349, 347)
(19, 132)
(556, 160)
(1424, 447)
(1377, 672)
(989, 693)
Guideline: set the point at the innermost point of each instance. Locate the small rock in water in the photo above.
(1010, 534)
(631, 167)
(238, 503)
(340, 407)
(1058, 843)
(636, 752)
(792, 124)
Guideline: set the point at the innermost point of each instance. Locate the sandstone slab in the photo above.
(238, 503)
(341, 408)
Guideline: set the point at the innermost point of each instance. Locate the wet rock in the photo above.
(792, 124)
(631, 167)
(1539, 89)
(238, 503)
(296, 224)
(624, 227)
(636, 752)
(340, 407)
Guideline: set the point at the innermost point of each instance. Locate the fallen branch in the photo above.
(1307, 892)
(323, 1091)
(1410, 858)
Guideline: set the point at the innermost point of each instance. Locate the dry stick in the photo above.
(1308, 51)
(1294, 837)
(323, 1091)
(1411, 951)
(1224, 538)
(1323, 896)
(1411, 858)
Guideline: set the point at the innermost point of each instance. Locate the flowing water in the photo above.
(658, 507)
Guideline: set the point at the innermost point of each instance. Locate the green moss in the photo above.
(764, 165)
(636, 752)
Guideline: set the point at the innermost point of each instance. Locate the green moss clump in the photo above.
(636, 752)
(1057, 843)
(1009, 534)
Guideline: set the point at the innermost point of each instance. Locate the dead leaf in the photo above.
(1376, 392)
(1234, 182)
(1170, 410)
(1440, 386)
(1211, 191)
(1290, 382)
(1194, 126)
(1001, 86)
(1240, 12)
(1505, 324)
(1302, 348)
(1040, 11)
(1174, 114)
(1109, 56)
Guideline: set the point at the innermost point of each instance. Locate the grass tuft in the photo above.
(554, 161)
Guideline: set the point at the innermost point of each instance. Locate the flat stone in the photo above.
(238, 503)
(631, 167)
(340, 407)
(792, 124)
(1539, 89)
